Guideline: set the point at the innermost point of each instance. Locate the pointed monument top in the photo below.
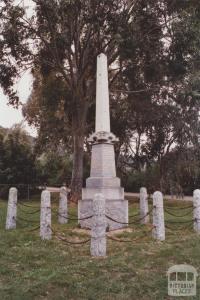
(102, 54)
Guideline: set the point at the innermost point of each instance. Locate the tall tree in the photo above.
(161, 77)
(145, 44)
(62, 39)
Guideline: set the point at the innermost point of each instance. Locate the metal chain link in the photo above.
(72, 219)
(67, 241)
(177, 208)
(132, 240)
(129, 223)
(179, 216)
(27, 212)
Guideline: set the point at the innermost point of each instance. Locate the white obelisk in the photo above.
(102, 95)
(103, 178)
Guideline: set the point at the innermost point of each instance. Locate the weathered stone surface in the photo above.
(45, 216)
(98, 230)
(62, 210)
(109, 193)
(102, 122)
(116, 209)
(103, 161)
(158, 217)
(196, 211)
(144, 209)
(12, 209)
(103, 182)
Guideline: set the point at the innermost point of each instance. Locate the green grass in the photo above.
(35, 269)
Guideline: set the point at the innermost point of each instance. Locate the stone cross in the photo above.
(158, 217)
(196, 211)
(62, 210)
(45, 216)
(98, 231)
(144, 209)
(12, 209)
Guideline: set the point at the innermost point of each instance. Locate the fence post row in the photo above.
(12, 209)
(144, 209)
(45, 216)
(62, 210)
(196, 211)
(98, 230)
(158, 217)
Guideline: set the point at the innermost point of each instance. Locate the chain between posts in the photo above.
(67, 241)
(22, 204)
(27, 221)
(179, 222)
(29, 213)
(177, 208)
(132, 240)
(72, 219)
(129, 223)
(180, 228)
(30, 230)
(178, 216)
(133, 216)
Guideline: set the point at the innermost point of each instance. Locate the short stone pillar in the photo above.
(144, 209)
(12, 209)
(45, 216)
(158, 217)
(62, 210)
(196, 211)
(98, 230)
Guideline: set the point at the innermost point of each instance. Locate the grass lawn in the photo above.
(35, 269)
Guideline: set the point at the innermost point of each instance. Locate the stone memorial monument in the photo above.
(103, 178)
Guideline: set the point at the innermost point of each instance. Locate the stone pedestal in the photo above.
(103, 180)
(115, 208)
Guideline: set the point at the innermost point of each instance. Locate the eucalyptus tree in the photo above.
(62, 39)
(153, 51)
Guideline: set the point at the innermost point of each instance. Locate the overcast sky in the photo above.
(8, 115)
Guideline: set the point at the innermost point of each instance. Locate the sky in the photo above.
(9, 115)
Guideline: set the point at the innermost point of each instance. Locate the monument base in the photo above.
(116, 207)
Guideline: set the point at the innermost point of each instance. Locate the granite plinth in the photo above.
(99, 182)
(115, 208)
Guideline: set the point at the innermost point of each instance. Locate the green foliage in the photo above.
(20, 165)
(54, 169)
(153, 50)
(178, 173)
(17, 159)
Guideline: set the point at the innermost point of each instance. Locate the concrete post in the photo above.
(196, 211)
(45, 216)
(158, 217)
(12, 209)
(62, 210)
(144, 209)
(98, 231)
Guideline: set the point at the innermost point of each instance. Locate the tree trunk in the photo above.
(77, 172)
(79, 126)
